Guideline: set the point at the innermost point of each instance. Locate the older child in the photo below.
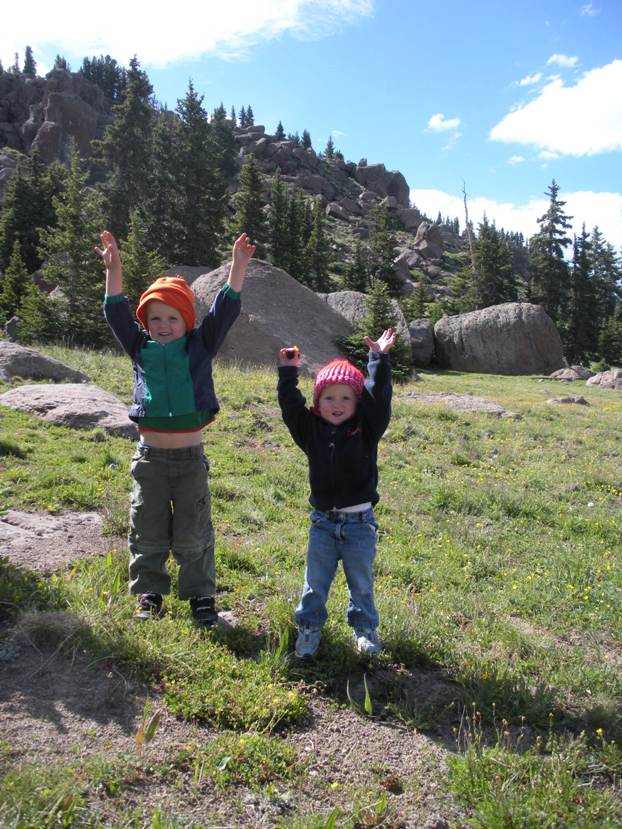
(340, 435)
(173, 401)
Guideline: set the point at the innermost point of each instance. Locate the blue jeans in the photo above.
(351, 537)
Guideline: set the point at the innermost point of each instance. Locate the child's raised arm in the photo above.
(243, 251)
(109, 253)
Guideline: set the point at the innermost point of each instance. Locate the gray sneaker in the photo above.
(367, 641)
(308, 641)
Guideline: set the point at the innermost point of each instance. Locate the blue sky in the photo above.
(500, 97)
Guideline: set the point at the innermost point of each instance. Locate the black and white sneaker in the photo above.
(204, 610)
(149, 606)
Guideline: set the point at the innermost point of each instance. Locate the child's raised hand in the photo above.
(109, 251)
(385, 341)
(243, 250)
(289, 356)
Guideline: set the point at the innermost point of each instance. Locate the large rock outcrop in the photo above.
(513, 338)
(78, 406)
(17, 361)
(276, 311)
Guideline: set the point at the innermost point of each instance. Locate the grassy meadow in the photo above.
(499, 575)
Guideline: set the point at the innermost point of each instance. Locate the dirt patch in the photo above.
(461, 402)
(60, 704)
(46, 543)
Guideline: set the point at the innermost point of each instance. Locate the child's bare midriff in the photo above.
(171, 440)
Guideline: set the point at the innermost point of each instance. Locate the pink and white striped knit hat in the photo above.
(337, 371)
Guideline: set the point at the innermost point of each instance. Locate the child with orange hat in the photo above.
(173, 401)
(339, 435)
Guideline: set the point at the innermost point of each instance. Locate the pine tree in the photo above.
(317, 252)
(250, 118)
(106, 73)
(232, 117)
(580, 333)
(242, 118)
(14, 68)
(224, 143)
(60, 62)
(380, 315)
(493, 281)
(278, 223)
(329, 152)
(249, 206)
(28, 208)
(30, 65)
(200, 185)
(161, 205)
(414, 306)
(280, 132)
(549, 272)
(141, 264)
(40, 317)
(382, 250)
(607, 274)
(296, 236)
(125, 148)
(70, 259)
(306, 139)
(610, 342)
(356, 277)
(14, 283)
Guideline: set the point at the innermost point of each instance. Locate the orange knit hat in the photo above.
(337, 371)
(173, 291)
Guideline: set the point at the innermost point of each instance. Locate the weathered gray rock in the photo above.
(17, 361)
(11, 329)
(611, 379)
(461, 402)
(422, 342)
(79, 406)
(276, 311)
(513, 338)
(572, 373)
(352, 305)
(383, 182)
(576, 398)
(428, 241)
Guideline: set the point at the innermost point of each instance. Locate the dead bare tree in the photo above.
(469, 231)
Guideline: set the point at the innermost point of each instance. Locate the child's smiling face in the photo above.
(337, 403)
(164, 323)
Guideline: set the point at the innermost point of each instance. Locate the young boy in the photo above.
(340, 435)
(173, 401)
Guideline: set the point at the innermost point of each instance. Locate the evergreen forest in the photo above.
(173, 188)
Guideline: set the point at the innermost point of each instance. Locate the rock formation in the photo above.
(513, 338)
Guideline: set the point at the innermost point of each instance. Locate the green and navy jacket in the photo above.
(343, 459)
(173, 385)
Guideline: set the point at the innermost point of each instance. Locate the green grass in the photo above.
(499, 571)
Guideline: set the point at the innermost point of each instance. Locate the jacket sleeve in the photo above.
(296, 415)
(377, 393)
(220, 318)
(126, 330)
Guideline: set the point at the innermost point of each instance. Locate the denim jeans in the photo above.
(171, 512)
(351, 538)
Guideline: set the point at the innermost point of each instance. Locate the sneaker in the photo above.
(308, 641)
(367, 641)
(149, 606)
(203, 610)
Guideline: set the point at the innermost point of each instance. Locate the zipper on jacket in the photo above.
(331, 461)
(168, 390)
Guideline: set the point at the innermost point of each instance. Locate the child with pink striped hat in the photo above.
(339, 434)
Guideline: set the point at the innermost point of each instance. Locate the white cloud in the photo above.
(602, 209)
(516, 159)
(584, 119)
(161, 34)
(438, 123)
(530, 80)
(564, 61)
(588, 10)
